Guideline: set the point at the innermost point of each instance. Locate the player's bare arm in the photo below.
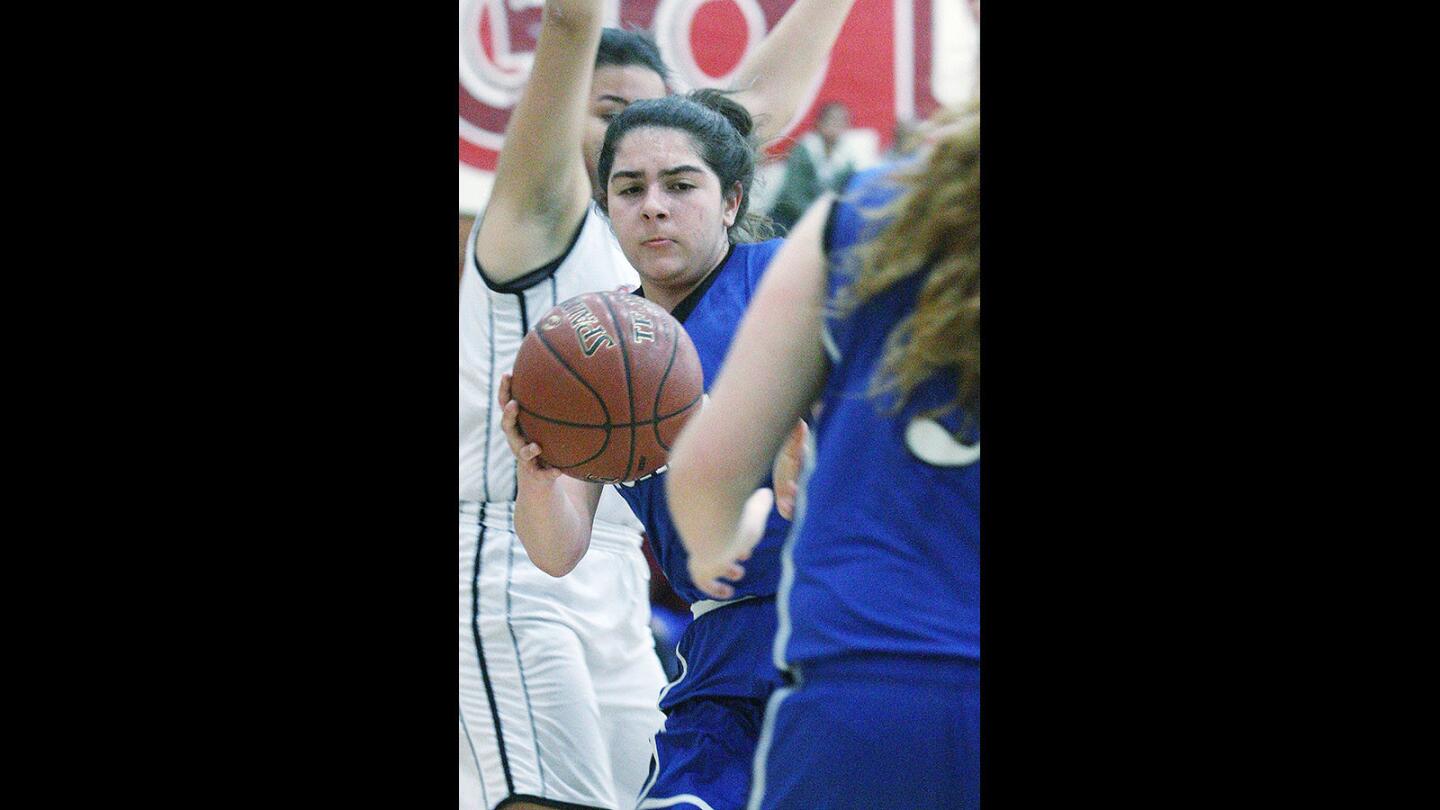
(541, 189)
(772, 83)
(724, 453)
(553, 513)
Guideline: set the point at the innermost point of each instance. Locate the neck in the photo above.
(670, 297)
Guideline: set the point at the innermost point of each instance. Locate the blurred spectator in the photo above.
(907, 140)
(815, 166)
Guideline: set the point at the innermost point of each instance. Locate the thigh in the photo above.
(628, 679)
(629, 719)
(530, 719)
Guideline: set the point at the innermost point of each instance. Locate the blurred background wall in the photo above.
(895, 61)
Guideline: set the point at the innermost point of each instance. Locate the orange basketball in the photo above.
(605, 381)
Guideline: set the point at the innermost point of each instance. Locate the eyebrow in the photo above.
(624, 101)
(626, 173)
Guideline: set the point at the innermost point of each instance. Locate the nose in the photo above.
(654, 204)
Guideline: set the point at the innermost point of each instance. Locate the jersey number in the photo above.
(933, 444)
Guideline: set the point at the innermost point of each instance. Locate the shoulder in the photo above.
(876, 185)
(867, 192)
(754, 256)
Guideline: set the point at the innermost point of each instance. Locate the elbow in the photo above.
(556, 568)
(558, 563)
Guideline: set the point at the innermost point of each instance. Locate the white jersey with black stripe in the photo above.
(494, 320)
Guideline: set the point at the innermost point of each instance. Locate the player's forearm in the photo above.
(774, 80)
(725, 451)
(547, 124)
(555, 533)
(722, 456)
(707, 488)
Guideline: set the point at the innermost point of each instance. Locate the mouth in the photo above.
(657, 242)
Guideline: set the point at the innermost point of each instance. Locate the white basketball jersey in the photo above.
(493, 322)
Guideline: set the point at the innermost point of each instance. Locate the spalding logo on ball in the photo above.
(605, 382)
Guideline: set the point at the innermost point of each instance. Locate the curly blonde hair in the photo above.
(934, 228)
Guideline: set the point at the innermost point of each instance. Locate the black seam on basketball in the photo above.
(607, 427)
(680, 412)
(561, 360)
(662, 417)
(629, 386)
(605, 445)
(660, 389)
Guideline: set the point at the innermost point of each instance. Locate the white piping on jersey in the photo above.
(654, 747)
(662, 468)
(787, 555)
(674, 800)
(704, 606)
(762, 749)
(829, 343)
(655, 758)
(684, 668)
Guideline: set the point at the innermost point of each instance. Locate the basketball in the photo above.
(605, 381)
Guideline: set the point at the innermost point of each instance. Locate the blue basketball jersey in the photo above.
(886, 554)
(711, 314)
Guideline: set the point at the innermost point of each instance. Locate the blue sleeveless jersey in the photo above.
(711, 315)
(886, 554)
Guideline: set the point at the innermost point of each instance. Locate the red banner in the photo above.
(881, 67)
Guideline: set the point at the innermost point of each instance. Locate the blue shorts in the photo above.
(706, 754)
(714, 710)
(884, 733)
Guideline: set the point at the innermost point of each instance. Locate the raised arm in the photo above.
(725, 451)
(773, 81)
(541, 189)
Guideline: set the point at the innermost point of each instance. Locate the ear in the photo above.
(732, 203)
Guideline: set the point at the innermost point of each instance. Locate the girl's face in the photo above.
(667, 208)
(614, 88)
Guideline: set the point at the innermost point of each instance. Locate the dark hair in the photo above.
(621, 48)
(721, 130)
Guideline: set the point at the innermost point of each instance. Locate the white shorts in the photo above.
(559, 679)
